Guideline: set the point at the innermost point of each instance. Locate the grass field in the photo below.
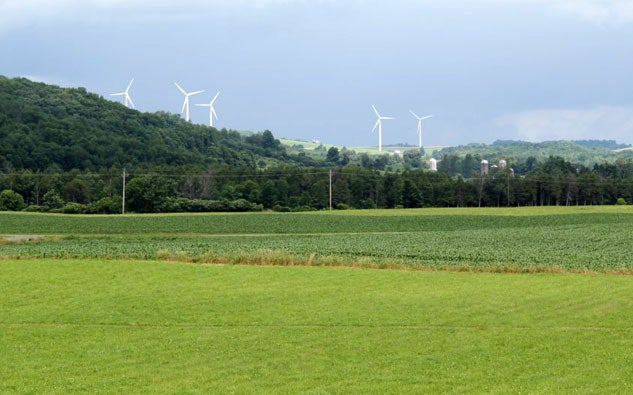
(531, 300)
(120, 326)
(387, 149)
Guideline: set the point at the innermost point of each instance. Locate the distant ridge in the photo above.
(607, 144)
(585, 152)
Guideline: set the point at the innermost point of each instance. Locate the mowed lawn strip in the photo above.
(157, 327)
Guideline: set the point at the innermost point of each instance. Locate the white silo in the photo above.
(433, 164)
(503, 164)
(484, 167)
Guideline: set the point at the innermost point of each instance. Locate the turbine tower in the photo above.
(420, 119)
(185, 105)
(379, 126)
(126, 93)
(212, 112)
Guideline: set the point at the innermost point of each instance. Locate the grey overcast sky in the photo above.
(311, 69)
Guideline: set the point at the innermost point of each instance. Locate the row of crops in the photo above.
(365, 221)
(562, 240)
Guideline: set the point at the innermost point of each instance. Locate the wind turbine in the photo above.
(212, 112)
(379, 126)
(420, 119)
(185, 105)
(127, 95)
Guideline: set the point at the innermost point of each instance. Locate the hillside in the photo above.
(585, 152)
(45, 127)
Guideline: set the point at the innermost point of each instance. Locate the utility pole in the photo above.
(123, 200)
(330, 189)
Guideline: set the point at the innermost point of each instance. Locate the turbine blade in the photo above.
(203, 105)
(184, 105)
(127, 97)
(215, 114)
(182, 90)
(414, 114)
(376, 125)
(194, 93)
(128, 87)
(376, 111)
(215, 97)
(117, 94)
(426, 117)
(387, 118)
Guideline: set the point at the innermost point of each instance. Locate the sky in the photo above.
(532, 70)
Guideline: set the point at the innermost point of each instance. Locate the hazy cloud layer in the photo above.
(603, 12)
(21, 13)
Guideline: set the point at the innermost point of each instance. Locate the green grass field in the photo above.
(150, 327)
(372, 150)
(530, 300)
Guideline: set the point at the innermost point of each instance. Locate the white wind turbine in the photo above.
(126, 93)
(185, 105)
(212, 112)
(420, 119)
(379, 126)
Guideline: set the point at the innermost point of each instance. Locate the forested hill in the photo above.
(45, 127)
(584, 152)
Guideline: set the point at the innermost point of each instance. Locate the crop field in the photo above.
(530, 300)
(524, 240)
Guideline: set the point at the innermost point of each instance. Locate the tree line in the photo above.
(293, 188)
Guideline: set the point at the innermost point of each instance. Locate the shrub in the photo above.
(206, 206)
(176, 205)
(73, 208)
(52, 199)
(621, 202)
(241, 205)
(11, 201)
(106, 205)
(34, 208)
(367, 204)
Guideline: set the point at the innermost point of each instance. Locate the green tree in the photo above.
(52, 199)
(412, 158)
(411, 196)
(332, 155)
(11, 201)
(268, 194)
(269, 141)
(147, 194)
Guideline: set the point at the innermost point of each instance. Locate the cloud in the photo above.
(601, 12)
(597, 12)
(16, 14)
(569, 124)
